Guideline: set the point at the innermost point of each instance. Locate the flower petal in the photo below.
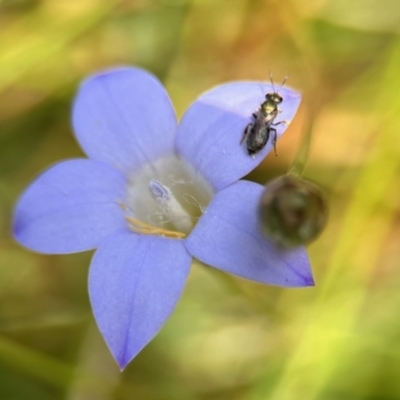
(124, 117)
(228, 237)
(211, 130)
(71, 207)
(135, 282)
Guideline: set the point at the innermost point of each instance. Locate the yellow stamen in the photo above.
(147, 229)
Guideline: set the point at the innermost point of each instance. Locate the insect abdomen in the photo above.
(258, 138)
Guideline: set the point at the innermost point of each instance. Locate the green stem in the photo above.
(299, 164)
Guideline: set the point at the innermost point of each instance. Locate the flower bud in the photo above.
(293, 211)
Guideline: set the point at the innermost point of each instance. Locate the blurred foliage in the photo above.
(229, 338)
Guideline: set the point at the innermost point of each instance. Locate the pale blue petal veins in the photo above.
(71, 207)
(135, 282)
(125, 118)
(210, 132)
(228, 237)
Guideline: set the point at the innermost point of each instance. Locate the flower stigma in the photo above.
(166, 198)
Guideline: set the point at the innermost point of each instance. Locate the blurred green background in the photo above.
(228, 338)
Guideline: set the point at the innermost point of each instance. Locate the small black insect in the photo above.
(258, 132)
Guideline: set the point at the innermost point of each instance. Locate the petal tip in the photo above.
(309, 281)
(122, 362)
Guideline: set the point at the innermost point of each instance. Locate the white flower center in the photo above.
(166, 198)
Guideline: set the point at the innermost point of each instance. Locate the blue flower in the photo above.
(154, 194)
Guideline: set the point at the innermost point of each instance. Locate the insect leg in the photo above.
(281, 122)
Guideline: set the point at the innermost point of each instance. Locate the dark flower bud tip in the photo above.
(293, 211)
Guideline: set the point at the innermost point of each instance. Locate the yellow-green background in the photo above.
(228, 338)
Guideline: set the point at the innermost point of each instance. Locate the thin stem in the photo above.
(299, 164)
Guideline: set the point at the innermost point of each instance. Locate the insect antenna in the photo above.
(284, 80)
(272, 81)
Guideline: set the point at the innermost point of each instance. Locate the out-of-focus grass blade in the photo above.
(51, 371)
(322, 348)
(20, 137)
(42, 38)
(34, 363)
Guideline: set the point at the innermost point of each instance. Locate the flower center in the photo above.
(166, 198)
